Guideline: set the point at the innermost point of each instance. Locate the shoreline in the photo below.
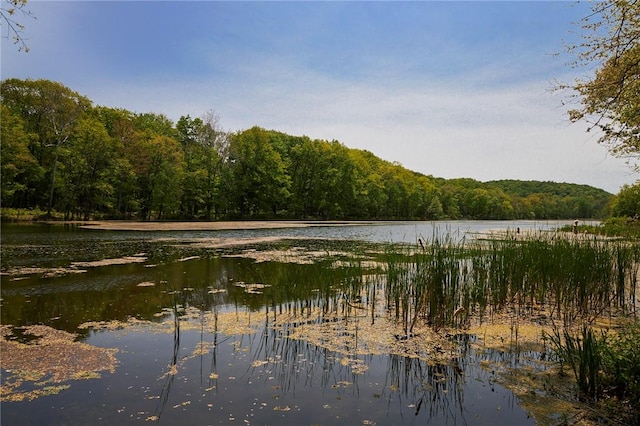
(233, 225)
(207, 226)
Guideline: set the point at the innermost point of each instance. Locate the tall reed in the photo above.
(583, 354)
(446, 281)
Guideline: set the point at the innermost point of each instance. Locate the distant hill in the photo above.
(559, 198)
(522, 188)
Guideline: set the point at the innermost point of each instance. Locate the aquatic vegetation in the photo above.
(138, 258)
(516, 292)
(189, 318)
(621, 357)
(20, 273)
(299, 255)
(47, 359)
(448, 283)
(583, 355)
(426, 320)
(604, 364)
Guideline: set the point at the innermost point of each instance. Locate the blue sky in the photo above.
(451, 89)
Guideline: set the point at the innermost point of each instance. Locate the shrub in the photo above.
(606, 367)
(621, 364)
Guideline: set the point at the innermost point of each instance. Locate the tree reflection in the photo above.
(170, 375)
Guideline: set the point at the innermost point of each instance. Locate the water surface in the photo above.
(175, 367)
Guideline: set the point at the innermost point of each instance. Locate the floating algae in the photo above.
(47, 361)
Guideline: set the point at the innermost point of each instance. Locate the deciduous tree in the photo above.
(49, 109)
(204, 145)
(627, 202)
(610, 98)
(161, 182)
(19, 169)
(88, 167)
(259, 183)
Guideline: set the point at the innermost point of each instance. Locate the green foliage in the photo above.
(155, 124)
(620, 360)
(203, 146)
(584, 355)
(19, 169)
(161, 166)
(605, 364)
(87, 163)
(259, 184)
(49, 110)
(627, 202)
(621, 226)
(20, 215)
(63, 153)
(321, 179)
(576, 278)
(551, 200)
(624, 227)
(610, 98)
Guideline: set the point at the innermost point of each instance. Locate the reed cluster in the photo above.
(604, 365)
(583, 355)
(448, 282)
(546, 278)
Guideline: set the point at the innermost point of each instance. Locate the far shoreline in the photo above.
(236, 225)
(117, 225)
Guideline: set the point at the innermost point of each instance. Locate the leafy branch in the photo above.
(10, 12)
(609, 100)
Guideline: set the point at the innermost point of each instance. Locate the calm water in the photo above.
(257, 377)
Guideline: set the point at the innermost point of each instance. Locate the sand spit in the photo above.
(210, 226)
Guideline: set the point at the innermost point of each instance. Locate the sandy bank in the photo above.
(209, 226)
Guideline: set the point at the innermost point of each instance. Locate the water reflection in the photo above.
(117, 292)
(179, 363)
(290, 377)
(173, 364)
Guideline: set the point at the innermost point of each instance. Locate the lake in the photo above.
(230, 327)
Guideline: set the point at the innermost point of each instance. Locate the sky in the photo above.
(450, 89)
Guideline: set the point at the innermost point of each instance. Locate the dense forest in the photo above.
(62, 153)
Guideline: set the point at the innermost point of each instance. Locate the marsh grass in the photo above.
(428, 284)
(447, 283)
(570, 282)
(605, 367)
(583, 355)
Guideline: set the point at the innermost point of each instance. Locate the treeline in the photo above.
(62, 153)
